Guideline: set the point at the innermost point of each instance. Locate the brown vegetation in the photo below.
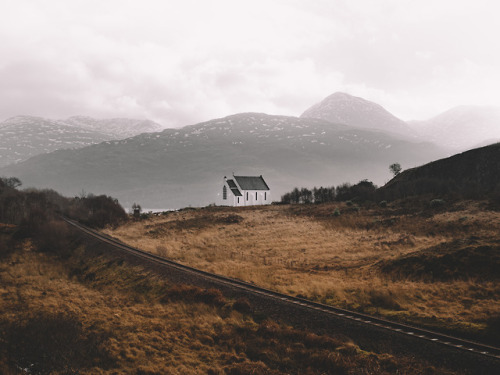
(98, 315)
(431, 265)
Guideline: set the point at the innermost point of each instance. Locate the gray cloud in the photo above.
(181, 62)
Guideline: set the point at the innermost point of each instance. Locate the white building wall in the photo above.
(256, 197)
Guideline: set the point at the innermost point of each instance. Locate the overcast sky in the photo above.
(180, 62)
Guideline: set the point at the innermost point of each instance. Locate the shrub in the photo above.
(97, 211)
(186, 293)
(242, 305)
(47, 342)
(53, 237)
(162, 251)
(435, 203)
(336, 212)
(493, 331)
(230, 219)
(383, 299)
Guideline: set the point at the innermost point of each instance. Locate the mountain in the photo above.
(119, 128)
(22, 137)
(462, 127)
(471, 174)
(350, 110)
(180, 167)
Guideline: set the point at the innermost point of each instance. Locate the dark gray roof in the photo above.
(251, 182)
(234, 188)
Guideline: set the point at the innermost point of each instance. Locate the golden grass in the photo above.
(138, 327)
(305, 250)
(151, 335)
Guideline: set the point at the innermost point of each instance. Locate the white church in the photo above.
(245, 191)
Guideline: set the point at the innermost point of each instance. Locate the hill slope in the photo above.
(473, 173)
(343, 108)
(180, 167)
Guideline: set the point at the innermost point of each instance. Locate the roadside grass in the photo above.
(309, 251)
(67, 312)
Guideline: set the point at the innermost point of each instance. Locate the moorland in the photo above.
(427, 262)
(67, 307)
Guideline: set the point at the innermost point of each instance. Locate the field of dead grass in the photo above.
(373, 259)
(98, 315)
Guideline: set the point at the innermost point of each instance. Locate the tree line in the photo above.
(31, 208)
(364, 191)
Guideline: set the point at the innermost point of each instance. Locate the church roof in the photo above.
(251, 182)
(234, 188)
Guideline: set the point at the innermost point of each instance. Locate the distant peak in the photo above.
(344, 108)
(340, 94)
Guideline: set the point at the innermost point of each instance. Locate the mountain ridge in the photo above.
(22, 137)
(181, 167)
(118, 127)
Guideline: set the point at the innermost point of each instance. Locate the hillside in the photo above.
(73, 305)
(462, 127)
(472, 173)
(433, 267)
(22, 137)
(350, 110)
(180, 167)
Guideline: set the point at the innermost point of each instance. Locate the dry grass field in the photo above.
(432, 265)
(81, 314)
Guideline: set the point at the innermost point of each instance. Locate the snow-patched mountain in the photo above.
(119, 128)
(22, 137)
(346, 109)
(462, 128)
(180, 167)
